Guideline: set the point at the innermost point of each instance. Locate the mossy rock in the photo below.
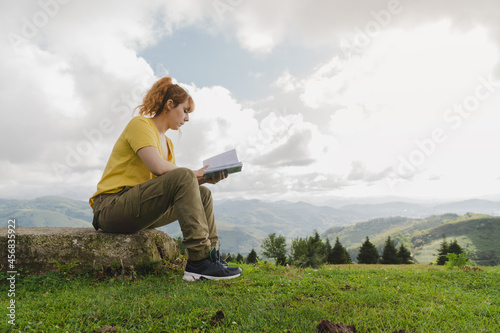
(41, 250)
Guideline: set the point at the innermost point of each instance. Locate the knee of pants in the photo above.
(205, 192)
(181, 173)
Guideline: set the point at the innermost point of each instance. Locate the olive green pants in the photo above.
(175, 195)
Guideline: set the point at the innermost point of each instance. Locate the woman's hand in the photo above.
(214, 180)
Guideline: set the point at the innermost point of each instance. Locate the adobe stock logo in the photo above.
(454, 117)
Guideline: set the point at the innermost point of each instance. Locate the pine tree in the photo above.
(368, 253)
(316, 250)
(442, 252)
(455, 248)
(239, 258)
(252, 257)
(404, 255)
(390, 253)
(328, 247)
(339, 254)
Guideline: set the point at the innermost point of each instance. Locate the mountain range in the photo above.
(243, 224)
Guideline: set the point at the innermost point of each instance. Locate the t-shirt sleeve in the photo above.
(140, 134)
(171, 155)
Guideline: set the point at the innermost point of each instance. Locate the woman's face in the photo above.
(177, 116)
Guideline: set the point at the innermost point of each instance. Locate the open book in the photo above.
(225, 162)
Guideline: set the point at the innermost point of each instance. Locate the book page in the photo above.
(227, 158)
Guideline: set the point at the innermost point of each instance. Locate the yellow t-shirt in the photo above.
(124, 167)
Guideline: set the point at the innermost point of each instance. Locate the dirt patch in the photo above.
(326, 326)
(348, 287)
(468, 268)
(216, 319)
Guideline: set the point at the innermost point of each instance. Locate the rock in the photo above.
(37, 248)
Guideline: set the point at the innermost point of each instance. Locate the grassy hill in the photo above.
(476, 233)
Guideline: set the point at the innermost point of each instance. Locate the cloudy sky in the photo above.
(322, 99)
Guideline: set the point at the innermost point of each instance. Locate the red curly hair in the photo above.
(162, 90)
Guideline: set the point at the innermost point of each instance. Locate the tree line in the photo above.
(313, 251)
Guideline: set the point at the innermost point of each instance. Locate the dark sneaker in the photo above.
(210, 270)
(215, 256)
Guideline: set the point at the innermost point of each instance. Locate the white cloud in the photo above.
(218, 123)
(341, 126)
(286, 82)
(71, 77)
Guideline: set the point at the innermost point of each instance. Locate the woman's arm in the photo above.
(151, 157)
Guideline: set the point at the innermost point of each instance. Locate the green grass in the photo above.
(374, 298)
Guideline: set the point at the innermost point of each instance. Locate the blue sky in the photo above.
(323, 100)
(210, 60)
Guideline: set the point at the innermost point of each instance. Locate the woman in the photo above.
(141, 186)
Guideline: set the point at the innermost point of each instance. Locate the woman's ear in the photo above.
(170, 104)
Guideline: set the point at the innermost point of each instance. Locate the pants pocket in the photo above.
(150, 200)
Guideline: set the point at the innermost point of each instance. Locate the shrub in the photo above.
(309, 252)
(457, 260)
(275, 247)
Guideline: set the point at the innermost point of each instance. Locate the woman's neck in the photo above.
(160, 123)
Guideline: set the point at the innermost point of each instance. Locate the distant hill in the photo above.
(378, 229)
(468, 206)
(475, 233)
(47, 212)
(243, 224)
(369, 211)
(42, 218)
(285, 218)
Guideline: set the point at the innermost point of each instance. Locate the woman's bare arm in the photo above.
(151, 157)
